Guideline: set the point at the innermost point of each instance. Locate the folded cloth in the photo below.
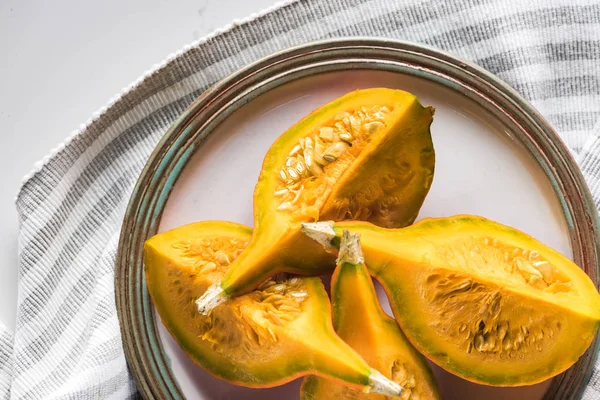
(67, 342)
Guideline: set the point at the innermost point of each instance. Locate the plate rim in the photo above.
(135, 311)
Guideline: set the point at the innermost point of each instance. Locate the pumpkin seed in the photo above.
(297, 197)
(308, 143)
(292, 173)
(347, 137)
(222, 258)
(295, 150)
(334, 151)
(285, 206)
(301, 141)
(371, 127)
(283, 175)
(326, 133)
(211, 266)
(354, 124)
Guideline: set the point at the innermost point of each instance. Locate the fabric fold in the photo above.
(6, 361)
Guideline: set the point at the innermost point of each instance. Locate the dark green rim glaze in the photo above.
(147, 361)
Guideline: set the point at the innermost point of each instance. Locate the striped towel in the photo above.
(67, 342)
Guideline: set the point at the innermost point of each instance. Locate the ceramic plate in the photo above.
(495, 157)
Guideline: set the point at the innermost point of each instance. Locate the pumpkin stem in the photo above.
(350, 250)
(380, 384)
(322, 232)
(210, 299)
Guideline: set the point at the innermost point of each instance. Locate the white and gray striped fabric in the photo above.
(67, 342)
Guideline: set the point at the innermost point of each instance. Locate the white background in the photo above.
(62, 60)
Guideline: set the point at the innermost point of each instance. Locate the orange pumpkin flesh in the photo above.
(482, 300)
(275, 334)
(361, 322)
(380, 171)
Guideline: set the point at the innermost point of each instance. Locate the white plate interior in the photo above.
(480, 170)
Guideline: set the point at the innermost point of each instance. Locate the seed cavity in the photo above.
(242, 326)
(485, 319)
(519, 265)
(311, 156)
(403, 374)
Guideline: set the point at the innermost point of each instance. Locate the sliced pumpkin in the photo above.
(367, 155)
(482, 300)
(361, 322)
(275, 334)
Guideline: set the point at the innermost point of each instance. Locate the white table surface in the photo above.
(62, 60)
